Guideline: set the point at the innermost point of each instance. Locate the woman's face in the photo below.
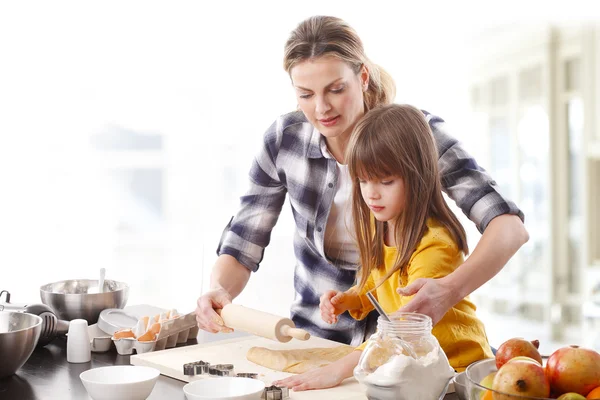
(330, 94)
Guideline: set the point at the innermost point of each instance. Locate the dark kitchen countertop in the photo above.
(48, 375)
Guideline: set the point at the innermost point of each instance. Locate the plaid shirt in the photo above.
(295, 160)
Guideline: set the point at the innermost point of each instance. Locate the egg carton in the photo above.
(172, 332)
(125, 346)
(176, 331)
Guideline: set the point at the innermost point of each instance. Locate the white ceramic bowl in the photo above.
(224, 389)
(120, 382)
(460, 386)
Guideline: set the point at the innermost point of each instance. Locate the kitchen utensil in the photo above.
(205, 368)
(78, 342)
(52, 327)
(101, 282)
(231, 388)
(121, 382)
(460, 386)
(377, 306)
(19, 333)
(71, 299)
(261, 323)
(275, 392)
(379, 309)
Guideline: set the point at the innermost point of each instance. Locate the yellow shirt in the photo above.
(460, 333)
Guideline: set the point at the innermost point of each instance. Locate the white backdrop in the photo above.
(207, 81)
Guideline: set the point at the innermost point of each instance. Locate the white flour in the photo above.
(412, 379)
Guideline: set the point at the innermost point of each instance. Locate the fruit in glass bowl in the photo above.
(571, 373)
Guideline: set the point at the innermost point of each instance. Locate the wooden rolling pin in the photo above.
(261, 323)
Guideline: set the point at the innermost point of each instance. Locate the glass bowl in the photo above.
(479, 370)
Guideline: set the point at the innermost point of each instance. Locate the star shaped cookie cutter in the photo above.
(275, 393)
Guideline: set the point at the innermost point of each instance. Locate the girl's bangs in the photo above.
(368, 164)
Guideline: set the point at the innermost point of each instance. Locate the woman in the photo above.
(302, 155)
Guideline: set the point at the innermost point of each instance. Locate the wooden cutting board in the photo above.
(233, 351)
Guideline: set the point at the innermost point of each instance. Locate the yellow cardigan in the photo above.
(460, 333)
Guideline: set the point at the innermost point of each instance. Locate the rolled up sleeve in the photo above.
(249, 231)
(366, 306)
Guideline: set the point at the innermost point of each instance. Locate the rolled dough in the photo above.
(297, 361)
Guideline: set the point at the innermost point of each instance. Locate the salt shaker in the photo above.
(78, 342)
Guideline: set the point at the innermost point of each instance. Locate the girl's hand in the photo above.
(334, 303)
(318, 378)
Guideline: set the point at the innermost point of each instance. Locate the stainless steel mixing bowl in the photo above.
(19, 333)
(79, 298)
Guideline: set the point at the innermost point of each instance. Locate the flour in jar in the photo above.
(414, 379)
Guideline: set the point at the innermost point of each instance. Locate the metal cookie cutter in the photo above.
(221, 370)
(252, 375)
(275, 393)
(196, 368)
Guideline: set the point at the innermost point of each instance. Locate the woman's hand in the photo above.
(334, 303)
(501, 239)
(433, 297)
(206, 317)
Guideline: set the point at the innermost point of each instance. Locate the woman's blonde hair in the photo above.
(395, 140)
(330, 36)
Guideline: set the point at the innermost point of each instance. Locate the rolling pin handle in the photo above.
(297, 333)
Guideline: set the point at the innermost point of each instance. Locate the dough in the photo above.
(297, 361)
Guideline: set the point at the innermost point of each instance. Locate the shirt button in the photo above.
(319, 229)
(330, 185)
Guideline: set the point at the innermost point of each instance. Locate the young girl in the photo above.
(405, 231)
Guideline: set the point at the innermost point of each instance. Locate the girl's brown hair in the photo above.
(330, 36)
(395, 140)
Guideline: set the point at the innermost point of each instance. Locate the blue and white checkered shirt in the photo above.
(294, 161)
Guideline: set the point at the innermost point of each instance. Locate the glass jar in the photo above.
(403, 360)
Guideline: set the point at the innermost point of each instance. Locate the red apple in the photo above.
(523, 378)
(517, 347)
(574, 369)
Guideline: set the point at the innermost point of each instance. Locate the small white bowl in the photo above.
(121, 382)
(460, 386)
(224, 389)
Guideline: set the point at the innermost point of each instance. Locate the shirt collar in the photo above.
(317, 147)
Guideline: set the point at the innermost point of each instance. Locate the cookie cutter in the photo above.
(221, 370)
(251, 375)
(196, 368)
(275, 393)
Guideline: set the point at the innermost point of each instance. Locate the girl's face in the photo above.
(385, 197)
(330, 94)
